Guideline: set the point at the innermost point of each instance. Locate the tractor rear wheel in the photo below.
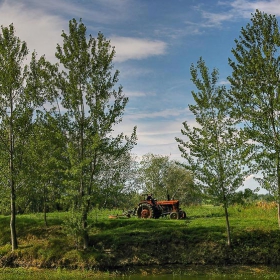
(145, 211)
(182, 215)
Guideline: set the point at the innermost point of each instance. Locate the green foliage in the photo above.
(22, 89)
(153, 173)
(93, 106)
(216, 152)
(46, 164)
(57, 138)
(14, 112)
(74, 226)
(164, 178)
(180, 184)
(255, 94)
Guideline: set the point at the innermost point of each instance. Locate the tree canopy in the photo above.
(165, 179)
(255, 92)
(23, 91)
(214, 149)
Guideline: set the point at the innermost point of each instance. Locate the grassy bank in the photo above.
(125, 244)
(189, 272)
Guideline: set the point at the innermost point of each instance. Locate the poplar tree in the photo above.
(255, 94)
(22, 90)
(214, 150)
(46, 164)
(93, 105)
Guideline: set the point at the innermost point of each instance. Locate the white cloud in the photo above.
(137, 48)
(215, 19)
(127, 71)
(155, 136)
(238, 9)
(245, 7)
(224, 82)
(40, 31)
(101, 11)
(250, 177)
(39, 24)
(135, 94)
(167, 113)
(159, 138)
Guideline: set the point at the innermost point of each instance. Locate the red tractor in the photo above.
(151, 208)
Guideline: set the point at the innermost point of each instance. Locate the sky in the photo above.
(156, 41)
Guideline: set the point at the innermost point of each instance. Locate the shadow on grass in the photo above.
(154, 231)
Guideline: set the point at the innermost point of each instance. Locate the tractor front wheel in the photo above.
(173, 215)
(145, 211)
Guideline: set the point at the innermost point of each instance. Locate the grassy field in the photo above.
(190, 273)
(129, 243)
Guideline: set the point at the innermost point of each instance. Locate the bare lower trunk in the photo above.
(228, 228)
(278, 214)
(45, 213)
(13, 220)
(85, 232)
(278, 185)
(12, 185)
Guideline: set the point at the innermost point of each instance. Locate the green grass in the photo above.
(197, 272)
(122, 242)
(50, 274)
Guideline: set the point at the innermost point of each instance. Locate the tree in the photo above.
(179, 182)
(12, 54)
(46, 163)
(255, 89)
(117, 182)
(215, 151)
(153, 171)
(22, 90)
(93, 106)
(163, 178)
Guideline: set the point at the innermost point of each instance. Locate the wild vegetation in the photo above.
(130, 243)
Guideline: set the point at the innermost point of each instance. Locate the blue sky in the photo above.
(156, 41)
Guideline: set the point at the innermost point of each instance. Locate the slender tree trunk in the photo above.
(227, 219)
(278, 199)
(13, 219)
(12, 184)
(228, 226)
(84, 205)
(85, 232)
(278, 212)
(84, 210)
(278, 193)
(45, 212)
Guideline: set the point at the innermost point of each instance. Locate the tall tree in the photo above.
(179, 182)
(153, 171)
(117, 181)
(22, 90)
(255, 94)
(93, 106)
(46, 163)
(214, 150)
(12, 54)
(163, 178)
